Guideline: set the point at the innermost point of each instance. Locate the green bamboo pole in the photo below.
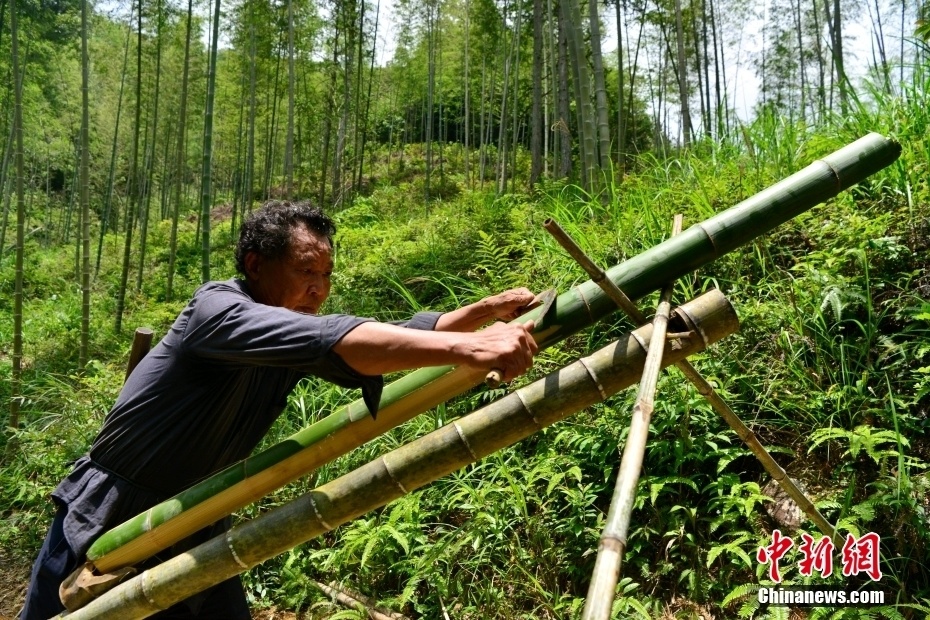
(613, 537)
(583, 305)
(502, 423)
(703, 387)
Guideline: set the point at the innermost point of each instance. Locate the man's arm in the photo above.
(379, 348)
(501, 307)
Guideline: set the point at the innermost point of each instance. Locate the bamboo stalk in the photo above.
(423, 389)
(703, 387)
(503, 422)
(613, 538)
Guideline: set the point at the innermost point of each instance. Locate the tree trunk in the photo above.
(17, 375)
(537, 115)
(253, 105)
(834, 25)
(621, 121)
(180, 155)
(430, 93)
(682, 76)
(113, 222)
(721, 112)
(132, 189)
(85, 198)
(600, 90)
(149, 177)
(467, 95)
(587, 128)
(502, 129)
(563, 126)
(289, 140)
(205, 192)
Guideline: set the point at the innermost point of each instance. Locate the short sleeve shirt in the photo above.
(209, 391)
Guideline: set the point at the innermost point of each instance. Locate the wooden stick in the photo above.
(141, 343)
(613, 539)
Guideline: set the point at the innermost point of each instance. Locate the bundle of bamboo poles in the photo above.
(583, 305)
(502, 423)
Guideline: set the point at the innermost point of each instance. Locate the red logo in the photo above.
(862, 556)
(859, 555)
(773, 553)
(817, 557)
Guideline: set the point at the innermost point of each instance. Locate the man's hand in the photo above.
(504, 306)
(508, 349)
(508, 305)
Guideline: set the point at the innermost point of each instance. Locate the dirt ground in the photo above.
(14, 577)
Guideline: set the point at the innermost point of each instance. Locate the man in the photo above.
(207, 393)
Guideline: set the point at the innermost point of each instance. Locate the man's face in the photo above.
(300, 280)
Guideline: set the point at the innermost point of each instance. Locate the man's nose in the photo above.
(315, 283)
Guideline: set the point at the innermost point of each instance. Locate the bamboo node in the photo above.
(387, 468)
(316, 512)
(146, 590)
(232, 551)
(613, 542)
(526, 407)
(458, 429)
(593, 375)
(587, 306)
(83, 585)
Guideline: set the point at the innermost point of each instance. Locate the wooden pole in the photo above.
(141, 343)
(703, 387)
(583, 305)
(466, 440)
(613, 538)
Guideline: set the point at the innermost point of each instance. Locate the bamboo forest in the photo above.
(721, 208)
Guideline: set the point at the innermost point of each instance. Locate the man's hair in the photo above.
(267, 231)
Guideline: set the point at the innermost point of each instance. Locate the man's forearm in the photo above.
(504, 306)
(378, 348)
(467, 318)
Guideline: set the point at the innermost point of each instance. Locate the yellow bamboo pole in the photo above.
(613, 538)
(502, 423)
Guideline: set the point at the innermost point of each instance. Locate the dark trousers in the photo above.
(56, 561)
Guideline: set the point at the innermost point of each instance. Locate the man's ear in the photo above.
(253, 261)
